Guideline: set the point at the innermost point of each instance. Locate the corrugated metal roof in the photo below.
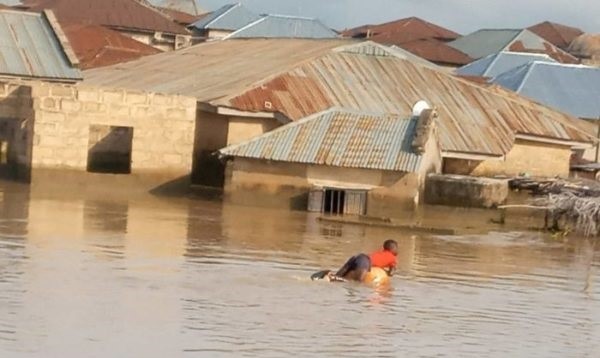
(229, 17)
(30, 48)
(472, 119)
(403, 30)
(301, 77)
(119, 14)
(557, 34)
(213, 69)
(495, 64)
(98, 46)
(279, 26)
(485, 42)
(375, 49)
(437, 52)
(338, 138)
(573, 89)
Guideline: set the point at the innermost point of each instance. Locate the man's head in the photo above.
(392, 246)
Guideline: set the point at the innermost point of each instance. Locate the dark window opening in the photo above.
(334, 201)
(338, 201)
(109, 149)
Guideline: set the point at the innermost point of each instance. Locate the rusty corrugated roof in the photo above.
(180, 17)
(301, 77)
(472, 119)
(559, 35)
(98, 46)
(338, 138)
(403, 30)
(211, 70)
(118, 14)
(437, 52)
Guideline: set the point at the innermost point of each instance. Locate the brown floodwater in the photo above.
(157, 277)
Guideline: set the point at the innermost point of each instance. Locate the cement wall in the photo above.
(215, 131)
(534, 158)
(279, 184)
(53, 128)
(464, 191)
(242, 128)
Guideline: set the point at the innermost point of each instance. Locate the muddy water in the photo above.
(148, 277)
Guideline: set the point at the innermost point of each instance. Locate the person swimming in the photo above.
(358, 267)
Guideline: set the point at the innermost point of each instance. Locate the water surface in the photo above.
(154, 277)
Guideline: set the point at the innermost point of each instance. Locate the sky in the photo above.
(462, 16)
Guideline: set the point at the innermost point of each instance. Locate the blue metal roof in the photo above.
(30, 48)
(338, 138)
(573, 89)
(279, 26)
(230, 17)
(495, 64)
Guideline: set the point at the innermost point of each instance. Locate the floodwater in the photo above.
(156, 277)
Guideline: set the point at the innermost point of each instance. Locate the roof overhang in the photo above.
(228, 111)
(470, 156)
(568, 143)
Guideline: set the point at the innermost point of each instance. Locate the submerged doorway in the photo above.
(338, 201)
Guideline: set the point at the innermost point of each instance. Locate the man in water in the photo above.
(357, 267)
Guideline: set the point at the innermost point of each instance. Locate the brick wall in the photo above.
(163, 127)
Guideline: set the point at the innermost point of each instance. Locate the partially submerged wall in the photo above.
(74, 123)
(216, 131)
(465, 191)
(16, 130)
(526, 157)
(251, 181)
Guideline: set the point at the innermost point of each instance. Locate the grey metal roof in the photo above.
(280, 26)
(497, 63)
(228, 17)
(376, 49)
(484, 42)
(573, 89)
(29, 47)
(338, 138)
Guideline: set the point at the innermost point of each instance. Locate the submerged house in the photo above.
(339, 161)
(51, 126)
(247, 87)
(482, 43)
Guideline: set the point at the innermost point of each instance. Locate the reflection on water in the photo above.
(159, 277)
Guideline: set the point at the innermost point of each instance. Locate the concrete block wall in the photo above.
(534, 158)
(163, 127)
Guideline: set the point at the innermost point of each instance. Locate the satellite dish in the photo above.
(420, 107)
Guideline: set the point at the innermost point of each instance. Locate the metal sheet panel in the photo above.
(498, 63)
(341, 139)
(228, 17)
(278, 26)
(573, 89)
(29, 48)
